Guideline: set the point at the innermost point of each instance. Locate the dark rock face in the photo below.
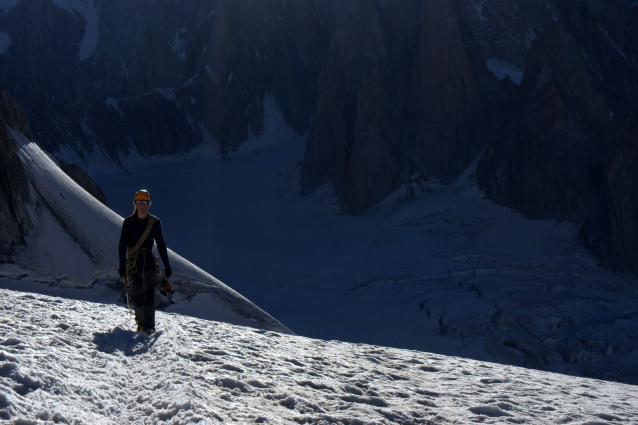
(611, 230)
(83, 180)
(389, 92)
(12, 115)
(444, 129)
(14, 187)
(397, 97)
(555, 143)
(162, 77)
(405, 93)
(547, 162)
(356, 136)
(569, 150)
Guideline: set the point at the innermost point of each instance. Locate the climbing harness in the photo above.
(131, 262)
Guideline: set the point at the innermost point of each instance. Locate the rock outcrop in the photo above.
(83, 179)
(444, 129)
(397, 97)
(15, 193)
(14, 187)
(546, 163)
(611, 229)
(567, 151)
(356, 135)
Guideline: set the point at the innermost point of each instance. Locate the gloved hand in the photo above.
(167, 271)
(121, 270)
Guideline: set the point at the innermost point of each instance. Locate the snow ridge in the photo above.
(80, 239)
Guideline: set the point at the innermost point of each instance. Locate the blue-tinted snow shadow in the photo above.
(126, 342)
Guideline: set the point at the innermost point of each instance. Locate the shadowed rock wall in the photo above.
(389, 92)
(163, 76)
(14, 187)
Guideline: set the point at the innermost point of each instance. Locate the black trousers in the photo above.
(143, 295)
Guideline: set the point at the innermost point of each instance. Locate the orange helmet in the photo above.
(142, 195)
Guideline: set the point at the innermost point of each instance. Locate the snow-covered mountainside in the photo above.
(74, 242)
(66, 361)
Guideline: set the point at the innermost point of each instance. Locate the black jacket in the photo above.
(132, 230)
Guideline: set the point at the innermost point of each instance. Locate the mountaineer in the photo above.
(138, 265)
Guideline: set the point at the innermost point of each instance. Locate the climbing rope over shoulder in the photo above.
(131, 263)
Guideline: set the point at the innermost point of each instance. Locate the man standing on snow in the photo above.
(138, 233)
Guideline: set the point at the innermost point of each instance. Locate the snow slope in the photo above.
(69, 361)
(74, 243)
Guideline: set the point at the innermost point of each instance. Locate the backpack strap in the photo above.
(133, 252)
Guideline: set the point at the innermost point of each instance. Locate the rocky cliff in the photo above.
(568, 148)
(14, 187)
(363, 86)
(547, 160)
(545, 93)
(160, 77)
(415, 94)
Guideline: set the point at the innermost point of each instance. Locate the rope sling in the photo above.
(133, 253)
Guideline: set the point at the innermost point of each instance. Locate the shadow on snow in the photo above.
(127, 342)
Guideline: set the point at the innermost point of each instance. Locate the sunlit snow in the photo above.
(69, 361)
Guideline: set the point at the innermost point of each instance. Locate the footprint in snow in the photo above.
(608, 417)
(295, 362)
(315, 385)
(493, 381)
(217, 352)
(232, 368)
(426, 403)
(372, 401)
(235, 384)
(396, 377)
(429, 369)
(257, 384)
(24, 384)
(491, 411)
(428, 393)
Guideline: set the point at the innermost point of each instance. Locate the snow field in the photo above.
(68, 361)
